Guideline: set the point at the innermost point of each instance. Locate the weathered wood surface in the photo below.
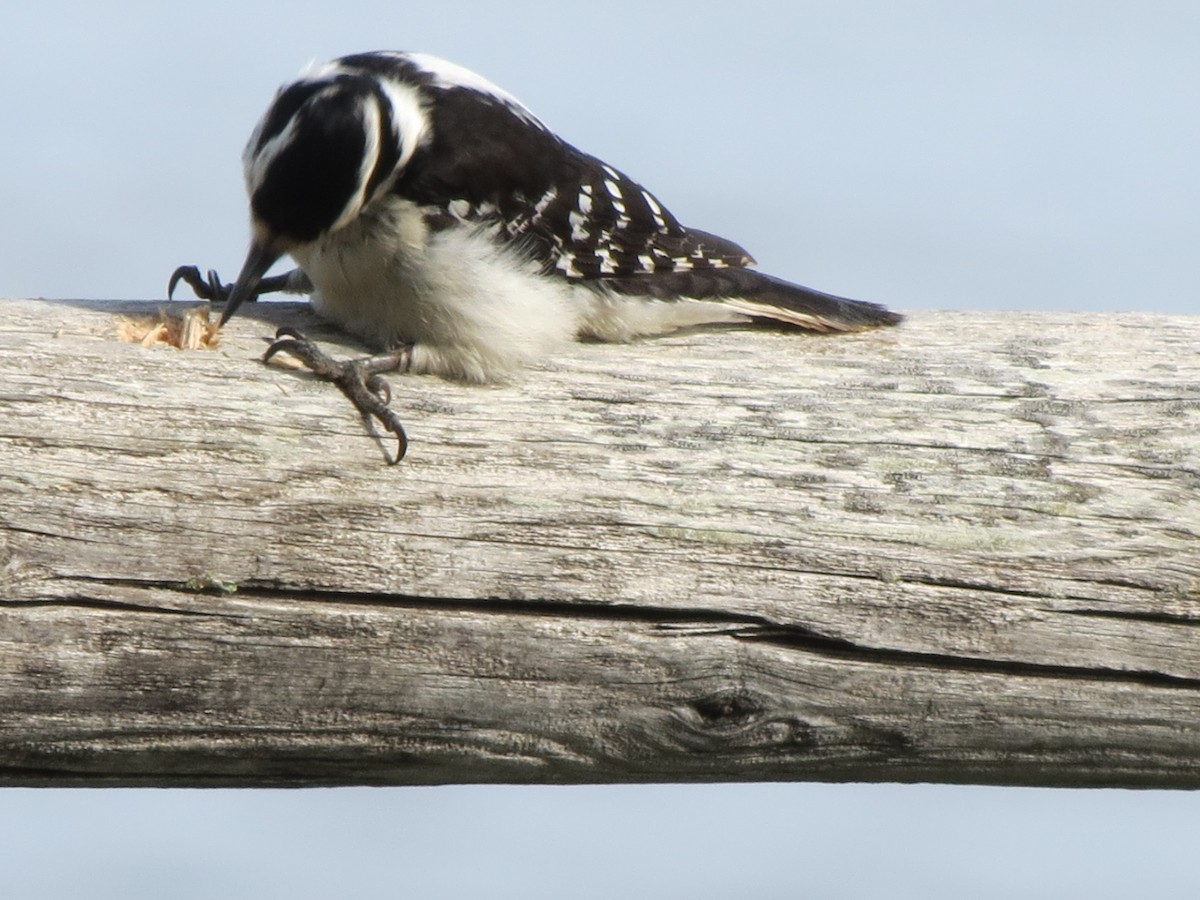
(964, 550)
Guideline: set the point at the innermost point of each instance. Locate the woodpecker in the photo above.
(436, 218)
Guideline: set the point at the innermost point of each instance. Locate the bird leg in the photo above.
(210, 287)
(359, 379)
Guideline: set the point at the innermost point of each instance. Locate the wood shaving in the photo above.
(186, 330)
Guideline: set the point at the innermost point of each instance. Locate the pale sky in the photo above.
(949, 154)
(969, 155)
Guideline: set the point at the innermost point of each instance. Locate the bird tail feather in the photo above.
(762, 297)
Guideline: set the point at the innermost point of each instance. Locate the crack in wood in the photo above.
(802, 638)
(36, 532)
(680, 622)
(988, 588)
(1133, 615)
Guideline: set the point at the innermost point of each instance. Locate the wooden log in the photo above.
(963, 550)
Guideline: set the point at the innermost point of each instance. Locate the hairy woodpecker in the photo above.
(435, 217)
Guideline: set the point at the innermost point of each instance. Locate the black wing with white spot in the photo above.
(599, 223)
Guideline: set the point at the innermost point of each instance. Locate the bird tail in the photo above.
(763, 298)
(774, 299)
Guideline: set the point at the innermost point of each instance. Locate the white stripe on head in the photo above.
(451, 75)
(407, 113)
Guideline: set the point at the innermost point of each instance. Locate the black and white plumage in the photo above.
(425, 206)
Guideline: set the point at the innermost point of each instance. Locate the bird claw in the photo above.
(209, 288)
(379, 386)
(356, 378)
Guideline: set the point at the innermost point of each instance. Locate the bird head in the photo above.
(327, 146)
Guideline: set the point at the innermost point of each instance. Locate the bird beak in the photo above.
(261, 257)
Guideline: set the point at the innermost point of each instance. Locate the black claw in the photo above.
(280, 345)
(190, 273)
(369, 393)
(378, 385)
(396, 427)
(209, 288)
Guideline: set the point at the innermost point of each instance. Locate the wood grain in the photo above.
(963, 550)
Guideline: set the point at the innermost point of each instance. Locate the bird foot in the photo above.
(206, 288)
(359, 379)
(210, 287)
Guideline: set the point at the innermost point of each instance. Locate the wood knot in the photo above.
(728, 708)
